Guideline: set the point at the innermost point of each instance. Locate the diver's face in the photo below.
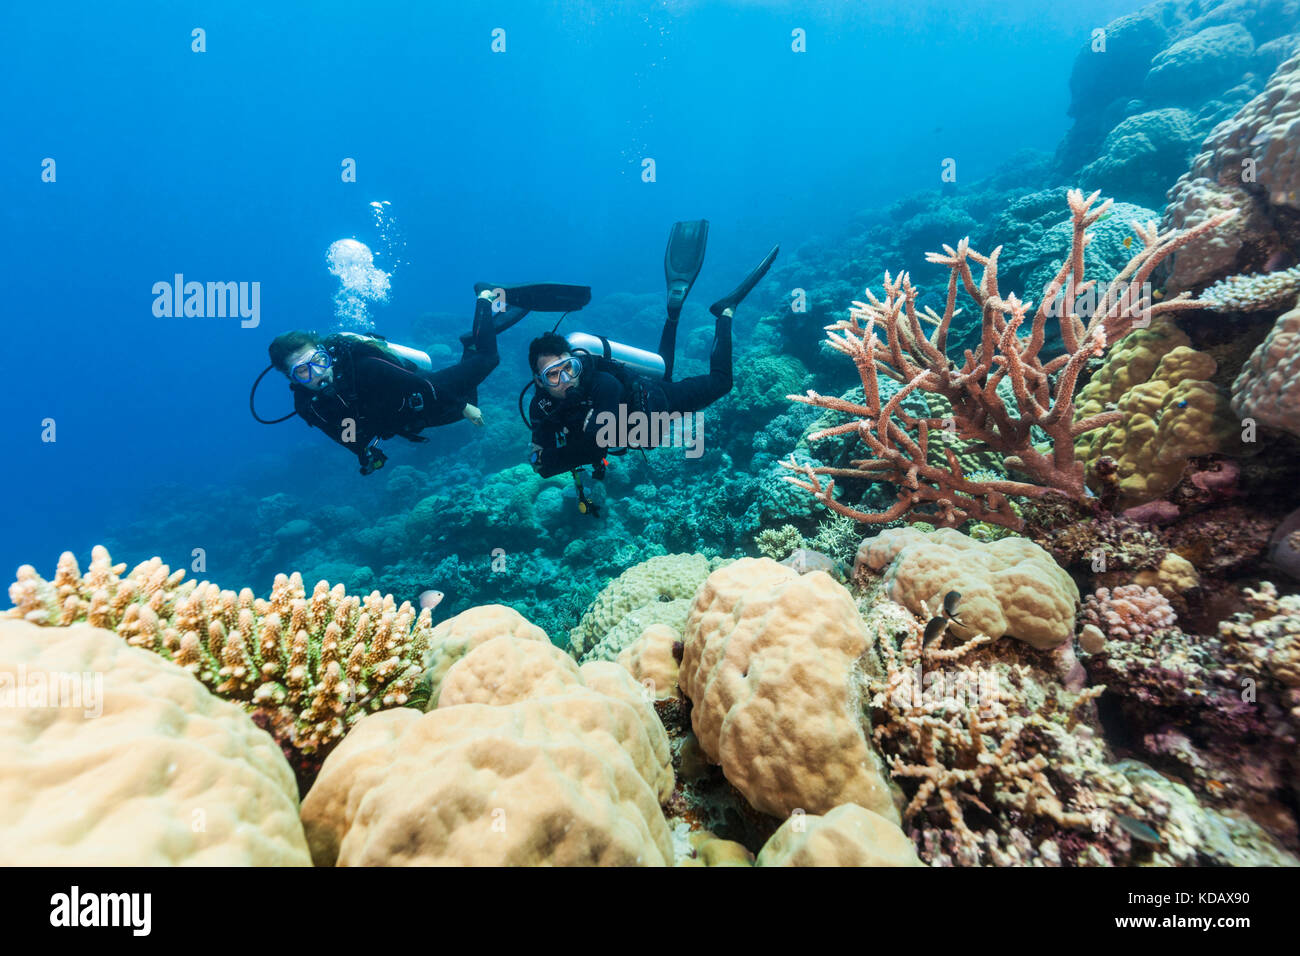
(558, 373)
(311, 367)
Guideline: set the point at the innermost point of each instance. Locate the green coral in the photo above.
(779, 543)
(662, 579)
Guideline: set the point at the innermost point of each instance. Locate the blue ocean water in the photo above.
(225, 165)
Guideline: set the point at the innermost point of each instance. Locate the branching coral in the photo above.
(1043, 389)
(311, 666)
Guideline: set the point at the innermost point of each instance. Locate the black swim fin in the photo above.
(500, 322)
(747, 286)
(542, 296)
(682, 261)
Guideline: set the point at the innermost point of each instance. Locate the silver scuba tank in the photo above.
(639, 360)
(420, 359)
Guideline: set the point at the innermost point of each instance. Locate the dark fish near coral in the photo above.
(1137, 829)
(950, 602)
(935, 628)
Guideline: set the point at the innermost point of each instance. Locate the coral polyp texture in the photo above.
(1009, 587)
(1268, 388)
(126, 760)
(771, 665)
(945, 495)
(529, 758)
(313, 664)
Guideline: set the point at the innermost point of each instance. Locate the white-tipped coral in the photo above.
(313, 664)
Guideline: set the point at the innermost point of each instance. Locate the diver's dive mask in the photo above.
(560, 372)
(320, 361)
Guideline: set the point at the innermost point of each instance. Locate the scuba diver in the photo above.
(360, 389)
(583, 381)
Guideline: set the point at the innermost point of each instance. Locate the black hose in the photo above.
(253, 391)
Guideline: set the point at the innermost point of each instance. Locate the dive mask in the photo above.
(320, 361)
(561, 372)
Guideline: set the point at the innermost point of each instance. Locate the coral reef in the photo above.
(1167, 411)
(314, 665)
(1129, 612)
(769, 665)
(1044, 390)
(848, 835)
(1010, 587)
(165, 774)
(1268, 388)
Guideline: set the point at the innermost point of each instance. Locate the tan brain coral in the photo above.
(166, 774)
(551, 765)
(457, 636)
(770, 664)
(651, 660)
(1009, 588)
(1268, 388)
(847, 836)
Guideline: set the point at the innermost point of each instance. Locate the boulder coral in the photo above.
(124, 759)
(1170, 412)
(1009, 588)
(1268, 388)
(657, 591)
(313, 664)
(771, 664)
(848, 835)
(544, 764)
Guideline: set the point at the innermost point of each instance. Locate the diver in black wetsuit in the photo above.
(577, 394)
(360, 389)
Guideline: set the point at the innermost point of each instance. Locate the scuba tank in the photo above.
(417, 358)
(638, 360)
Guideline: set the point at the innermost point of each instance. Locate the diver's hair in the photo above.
(288, 343)
(548, 344)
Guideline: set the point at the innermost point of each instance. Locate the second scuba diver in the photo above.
(582, 380)
(360, 389)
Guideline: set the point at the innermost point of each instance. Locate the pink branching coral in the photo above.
(1044, 389)
(1128, 612)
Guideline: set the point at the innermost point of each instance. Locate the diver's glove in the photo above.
(474, 414)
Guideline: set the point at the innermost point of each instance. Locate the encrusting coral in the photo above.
(311, 665)
(1043, 389)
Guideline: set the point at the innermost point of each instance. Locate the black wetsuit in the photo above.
(384, 398)
(565, 431)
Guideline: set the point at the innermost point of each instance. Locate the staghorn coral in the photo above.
(1017, 773)
(314, 665)
(1043, 390)
(153, 771)
(1128, 612)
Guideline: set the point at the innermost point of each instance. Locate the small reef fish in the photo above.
(431, 599)
(950, 602)
(1137, 829)
(1128, 242)
(805, 560)
(934, 628)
